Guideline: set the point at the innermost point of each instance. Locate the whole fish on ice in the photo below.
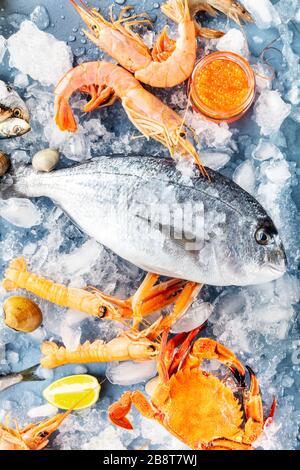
(136, 205)
(14, 115)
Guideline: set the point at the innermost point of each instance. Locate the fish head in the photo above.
(93, 20)
(13, 127)
(253, 253)
(268, 253)
(11, 104)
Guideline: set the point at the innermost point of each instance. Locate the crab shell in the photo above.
(212, 410)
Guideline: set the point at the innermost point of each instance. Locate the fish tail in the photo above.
(29, 375)
(20, 181)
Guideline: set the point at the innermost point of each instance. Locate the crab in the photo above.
(196, 406)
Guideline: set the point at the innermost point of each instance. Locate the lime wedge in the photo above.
(76, 391)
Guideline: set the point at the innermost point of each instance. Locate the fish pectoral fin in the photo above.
(184, 239)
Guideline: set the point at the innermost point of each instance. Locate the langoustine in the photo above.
(106, 82)
(90, 300)
(34, 436)
(182, 389)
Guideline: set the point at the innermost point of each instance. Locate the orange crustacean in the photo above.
(34, 436)
(194, 405)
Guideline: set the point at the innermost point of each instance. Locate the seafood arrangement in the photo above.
(186, 234)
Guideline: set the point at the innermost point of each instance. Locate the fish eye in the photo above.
(17, 113)
(43, 434)
(9, 88)
(17, 129)
(94, 27)
(263, 237)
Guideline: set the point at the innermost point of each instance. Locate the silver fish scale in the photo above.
(139, 207)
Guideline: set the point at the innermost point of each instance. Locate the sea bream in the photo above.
(14, 115)
(136, 205)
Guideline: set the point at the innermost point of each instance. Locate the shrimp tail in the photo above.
(17, 264)
(176, 10)
(64, 116)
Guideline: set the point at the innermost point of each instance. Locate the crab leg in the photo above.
(254, 411)
(183, 302)
(206, 348)
(118, 411)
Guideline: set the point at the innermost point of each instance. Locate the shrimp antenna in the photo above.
(84, 6)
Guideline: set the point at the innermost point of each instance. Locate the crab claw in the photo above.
(118, 411)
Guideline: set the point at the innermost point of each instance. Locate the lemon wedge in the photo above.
(76, 391)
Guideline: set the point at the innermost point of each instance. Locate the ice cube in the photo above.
(277, 172)
(264, 13)
(38, 54)
(43, 411)
(21, 80)
(16, 19)
(197, 314)
(80, 260)
(3, 46)
(46, 374)
(107, 439)
(40, 17)
(130, 372)
(70, 336)
(294, 94)
(80, 370)
(244, 176)
(214, 160)
(12, 357)
(266, 150)
(271, 111)
(20, 156)
(234, 41)
(20, 212)
(212, 134)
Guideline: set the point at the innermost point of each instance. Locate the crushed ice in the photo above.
(259, 323)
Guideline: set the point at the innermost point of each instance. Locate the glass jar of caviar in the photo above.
(222, 86)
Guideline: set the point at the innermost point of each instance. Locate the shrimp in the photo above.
(171, 66)
(106, 82)
(34, 436)
(234, 10)
(90, 300)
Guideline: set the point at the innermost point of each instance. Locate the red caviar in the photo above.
(222, 87)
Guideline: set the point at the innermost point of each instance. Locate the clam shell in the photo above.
(22, 314)
(45, 160)
(4, 164)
